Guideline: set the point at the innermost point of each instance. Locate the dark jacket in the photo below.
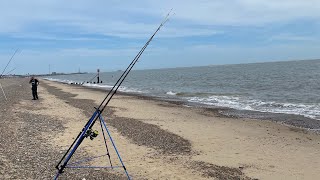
(34, 83)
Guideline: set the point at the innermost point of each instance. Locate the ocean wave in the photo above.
(171, 93)
(62, 80)
(241, 103)
(108, 87)
(206, 94)
(130, 90)
(99, 86)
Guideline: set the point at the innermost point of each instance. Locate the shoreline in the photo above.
(290, 120)
(156, 139)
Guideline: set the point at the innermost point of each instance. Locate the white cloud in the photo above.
(77, 20)
(138, 18)
(246, 12)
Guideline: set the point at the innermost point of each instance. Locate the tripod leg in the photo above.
(57, 175)
(3, 92)
(105, 126)
(105, 141)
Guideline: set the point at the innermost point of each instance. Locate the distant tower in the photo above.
(98, 78)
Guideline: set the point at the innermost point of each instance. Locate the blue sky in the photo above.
(73, 34)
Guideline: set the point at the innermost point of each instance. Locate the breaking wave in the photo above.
(240, 103)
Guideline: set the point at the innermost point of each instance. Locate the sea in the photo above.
(289, 87)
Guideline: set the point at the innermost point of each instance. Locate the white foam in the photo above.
(311, 111)
(121, 88)
(61, 80)
(171, 93)
(130, 90)
(102, 86)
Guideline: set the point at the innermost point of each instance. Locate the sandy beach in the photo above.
(156, 139)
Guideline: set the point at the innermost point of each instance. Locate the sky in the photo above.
(65, 36)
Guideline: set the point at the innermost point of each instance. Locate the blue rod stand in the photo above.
(82, 135)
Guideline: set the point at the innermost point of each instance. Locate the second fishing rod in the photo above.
(15, 52)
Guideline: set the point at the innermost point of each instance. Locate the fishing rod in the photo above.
(4, 94)
(126, 72)
(116, 86)
(97, 114)
(9, 62)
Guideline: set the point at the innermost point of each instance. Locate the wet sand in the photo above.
(156, 139)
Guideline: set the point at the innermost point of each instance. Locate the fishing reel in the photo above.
(91, 133)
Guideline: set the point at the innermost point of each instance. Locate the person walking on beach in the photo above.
(34, 82)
